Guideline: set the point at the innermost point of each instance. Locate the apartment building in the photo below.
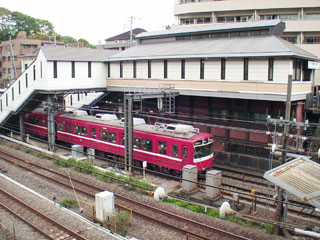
(10, 52)
(302, 18)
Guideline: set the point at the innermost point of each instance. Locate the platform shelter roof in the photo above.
(300, 177)
(230, 47)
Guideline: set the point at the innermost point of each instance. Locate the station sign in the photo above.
(313, 65)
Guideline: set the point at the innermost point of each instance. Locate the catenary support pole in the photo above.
(22, 127)
(279, 207)
(51, 125)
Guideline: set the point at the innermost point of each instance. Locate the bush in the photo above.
(123, 222)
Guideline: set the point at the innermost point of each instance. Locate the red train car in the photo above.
(37, 122)
(169, 146)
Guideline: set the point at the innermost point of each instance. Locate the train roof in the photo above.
(167, 129)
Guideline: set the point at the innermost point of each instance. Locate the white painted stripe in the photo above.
(122, 146)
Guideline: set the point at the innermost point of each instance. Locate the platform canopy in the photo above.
(300, 177)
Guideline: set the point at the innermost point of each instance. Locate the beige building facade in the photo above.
(11, 52)
(301, 17)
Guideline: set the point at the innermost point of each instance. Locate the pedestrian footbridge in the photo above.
(56, 71)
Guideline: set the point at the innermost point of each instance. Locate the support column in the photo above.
(22, 127)
(128, 135)
(51, 125)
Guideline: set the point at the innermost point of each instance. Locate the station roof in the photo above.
(59, 53)
(230, 47)
(277, 26)
(300, 177)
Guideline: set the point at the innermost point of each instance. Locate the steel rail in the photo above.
(179, 218)
(48, 219)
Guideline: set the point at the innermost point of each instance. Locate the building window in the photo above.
(183, 69)
(108, 65)
(165, 68)
(187, 21)
(245, 68)
(312, 16)
(6, 99)
(73, 69)
(291, 39)
(0, 105)
(296, 70)
(121, 69)
(41, 70)
(55, 69)
(89, 69)
(223, 69)
(12, 93)
(270, 69)
(134, 69)
(312, 40)
(19, 87)
(149, 69)
(201, 68)
(34, 72)
(26, 80)
(203, 20)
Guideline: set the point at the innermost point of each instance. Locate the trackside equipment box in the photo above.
(104, 202)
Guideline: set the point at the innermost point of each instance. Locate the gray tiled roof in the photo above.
(57, 53)
(253, 46)
(215, 27)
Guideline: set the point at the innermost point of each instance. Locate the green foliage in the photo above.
(123, 222)
(13, 22)
(86, 43)
(270, 228)
(69, 203)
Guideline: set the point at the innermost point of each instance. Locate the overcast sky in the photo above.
(96, 20)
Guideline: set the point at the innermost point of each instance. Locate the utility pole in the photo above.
(131, 19)
(279, 208)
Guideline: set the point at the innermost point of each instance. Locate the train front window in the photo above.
(203, 148)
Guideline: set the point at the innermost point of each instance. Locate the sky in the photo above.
(96, 20)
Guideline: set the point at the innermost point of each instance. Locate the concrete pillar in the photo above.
(91, 154)
(22, 127)
(77, 151)
(189, 178)
(214, 179)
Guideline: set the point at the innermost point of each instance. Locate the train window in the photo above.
(175, 150)
(76, 129)
(147, 144)
(185, 152)
(104, 135)
(83, 131)
(43, 122)
(36, 120)
(60, 126)
(112, 137)
(93, 132)
(136, 142)
(162, 147)
(68, 127)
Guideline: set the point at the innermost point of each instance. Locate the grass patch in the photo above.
(69, 203)
(214, 213)
(123, 223)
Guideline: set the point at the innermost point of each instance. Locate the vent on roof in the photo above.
(178, 128)
(136, 121)
(78, 113)
(106, 117)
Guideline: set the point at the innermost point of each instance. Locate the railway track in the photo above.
(180, 224)
(40, 222)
